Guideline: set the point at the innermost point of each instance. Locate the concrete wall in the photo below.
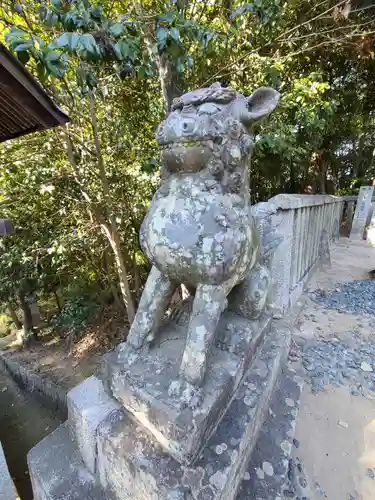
(308, 224)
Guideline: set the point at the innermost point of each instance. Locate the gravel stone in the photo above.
(355, 297)
(332, 361)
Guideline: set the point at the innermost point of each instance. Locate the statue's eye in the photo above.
(208, 108)
(188, 125)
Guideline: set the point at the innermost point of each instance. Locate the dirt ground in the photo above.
(338, 458)
(51, 357)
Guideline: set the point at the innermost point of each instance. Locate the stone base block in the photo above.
(7, 488)
(57, 471)
(141, 384)
(267, 472)
(133, 466)
(88, 405)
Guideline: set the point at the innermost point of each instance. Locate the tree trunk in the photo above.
(111, 231)
(119, 303)
(13, 315)
(27, 316)
(170, 81)
(323, 178)
(113, 236)
(57, 300)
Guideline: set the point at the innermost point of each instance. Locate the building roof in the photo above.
(24, 105)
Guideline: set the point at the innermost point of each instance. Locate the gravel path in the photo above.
(355, 297)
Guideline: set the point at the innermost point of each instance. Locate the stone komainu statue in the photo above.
(199, 229)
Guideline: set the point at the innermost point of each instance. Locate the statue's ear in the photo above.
(260, 104)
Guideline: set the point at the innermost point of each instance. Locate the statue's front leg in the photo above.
(209, 303)
(152, 306)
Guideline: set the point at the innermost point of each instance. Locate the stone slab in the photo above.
(361, 211)
(7, 488)
(133, 466)
(88, 405)
(57, 471)
(141, 385)
(267, 472)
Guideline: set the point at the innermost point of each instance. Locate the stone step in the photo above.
(267, 472)
(88, 405)
(57, 471)
(133, 465)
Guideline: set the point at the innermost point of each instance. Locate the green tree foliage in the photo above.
(77, 195)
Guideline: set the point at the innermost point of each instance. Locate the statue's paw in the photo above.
(188, 394)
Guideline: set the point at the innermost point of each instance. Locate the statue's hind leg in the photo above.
(154, 301)
(209, 303)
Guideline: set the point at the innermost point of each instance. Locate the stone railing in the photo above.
(307, 224)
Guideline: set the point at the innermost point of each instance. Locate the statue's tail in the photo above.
(270, 236)
(270, 248)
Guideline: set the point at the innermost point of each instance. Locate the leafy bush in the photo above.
(76, 315)
(5, 326)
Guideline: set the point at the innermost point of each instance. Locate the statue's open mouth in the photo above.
(188, 142)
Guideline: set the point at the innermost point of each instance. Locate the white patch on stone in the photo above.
(286, 446)
(343, 424)
(289, 402)
(218, 480)
(246, 476)
(259, 473)
(248, 401)
(366, 367)
(234, 456)
(267, 468)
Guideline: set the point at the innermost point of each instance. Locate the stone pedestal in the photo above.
(108, 451)
(141, 384)
(134, 465)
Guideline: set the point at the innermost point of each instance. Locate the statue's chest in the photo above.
(188, 213)
(199, 229)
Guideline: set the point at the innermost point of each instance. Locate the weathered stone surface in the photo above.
(361, 212)
(142, 384)
(57, 471)
(267, 471)
(88, 405)
(134, 466)
(199, 229)
(7, 488)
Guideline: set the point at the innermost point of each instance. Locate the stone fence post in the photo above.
(361, 212)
